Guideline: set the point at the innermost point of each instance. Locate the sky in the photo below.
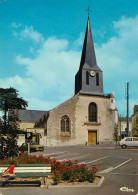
(41, 43)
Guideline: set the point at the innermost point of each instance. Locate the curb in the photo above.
(82, 186)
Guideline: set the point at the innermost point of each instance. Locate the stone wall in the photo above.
(76, 109)
(54, 135)
(103, 126)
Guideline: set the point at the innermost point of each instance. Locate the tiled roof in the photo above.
(30, 115)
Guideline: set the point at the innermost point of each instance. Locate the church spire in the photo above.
(88, 58)
(89, 78)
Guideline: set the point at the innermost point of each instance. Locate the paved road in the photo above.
(119, 168)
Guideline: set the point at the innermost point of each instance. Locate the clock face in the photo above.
(92, 73)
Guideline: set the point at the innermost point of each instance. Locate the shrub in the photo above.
(75, 172)
(66, 170)
(56, 177)
(90, 175)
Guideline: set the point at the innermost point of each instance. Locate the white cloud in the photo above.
(31, 50)
(28, 33)
(22, 84)
(49, 78)
(49, 75)
(79, 42)
(119, 60)
(53, 69)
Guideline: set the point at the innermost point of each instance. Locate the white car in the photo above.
(129, 141)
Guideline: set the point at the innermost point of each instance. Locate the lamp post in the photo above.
(127, 108)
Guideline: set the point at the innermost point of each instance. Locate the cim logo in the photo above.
(126, 189)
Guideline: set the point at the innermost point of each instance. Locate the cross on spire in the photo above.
(88, 10)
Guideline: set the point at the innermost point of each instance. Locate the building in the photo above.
(27, 121)
(123, 126)
(89, 116)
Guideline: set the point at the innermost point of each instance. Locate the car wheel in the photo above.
(124, 146)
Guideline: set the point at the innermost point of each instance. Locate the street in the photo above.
(118, 166)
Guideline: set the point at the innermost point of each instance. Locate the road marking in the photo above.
(96, 160)
(54, 153)
(113, 168)
(66, 155)
(122, 164)
(79, 157)
(124, 174)
(107, 170)
(73, 158)
(62, 160)
(120, 157)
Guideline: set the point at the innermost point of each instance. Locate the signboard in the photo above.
(28, 135)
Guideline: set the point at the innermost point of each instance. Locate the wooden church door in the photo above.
(92, 137)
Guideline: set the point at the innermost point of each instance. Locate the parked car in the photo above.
(129, 142)
(33, 147)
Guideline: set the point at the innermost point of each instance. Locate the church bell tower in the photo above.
(89, 78)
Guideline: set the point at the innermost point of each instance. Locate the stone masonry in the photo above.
(76, 109)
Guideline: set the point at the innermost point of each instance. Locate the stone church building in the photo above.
(89, 116)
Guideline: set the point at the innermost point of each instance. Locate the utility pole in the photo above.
(127, 108)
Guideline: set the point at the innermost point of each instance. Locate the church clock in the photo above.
(92, 73)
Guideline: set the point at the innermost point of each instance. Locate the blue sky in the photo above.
(41, 43)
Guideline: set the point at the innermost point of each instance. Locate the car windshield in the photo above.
(129, 139)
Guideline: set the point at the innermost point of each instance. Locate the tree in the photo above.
(10, 103)
(135, 128)
(116, 134)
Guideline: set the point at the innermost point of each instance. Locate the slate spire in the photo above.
(88, 57)
(89, 78)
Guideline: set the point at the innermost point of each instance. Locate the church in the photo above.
(89, 116)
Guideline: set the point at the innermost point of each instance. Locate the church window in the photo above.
(92, 112)
(97, 79)
(65, 124)
(45, 129)
(87, 78)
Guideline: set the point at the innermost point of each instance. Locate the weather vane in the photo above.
(88, 10)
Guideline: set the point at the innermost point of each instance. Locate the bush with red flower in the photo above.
(61, 171)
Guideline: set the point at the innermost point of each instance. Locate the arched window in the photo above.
(65, 124)
(97, 79)
(87, 78)
(92, 112)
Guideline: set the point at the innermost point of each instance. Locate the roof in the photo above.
(30, 115)
(88, 58)
(42, 121)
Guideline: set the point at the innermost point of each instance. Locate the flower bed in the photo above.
(61, 171)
